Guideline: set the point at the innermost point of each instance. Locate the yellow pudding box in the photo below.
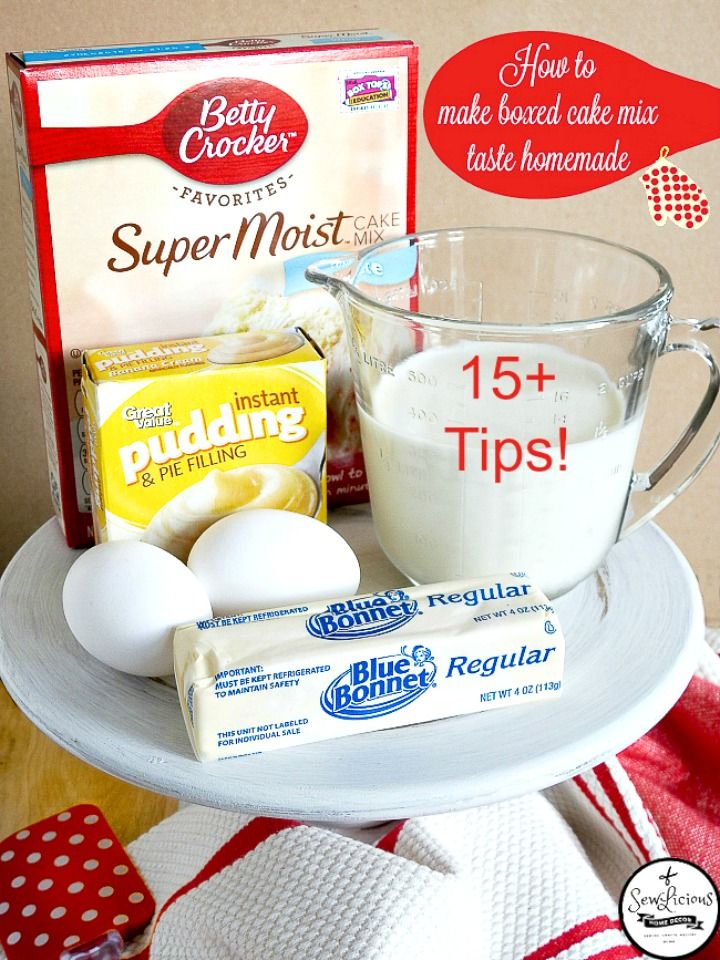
(184, 432)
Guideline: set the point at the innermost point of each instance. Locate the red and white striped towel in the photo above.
(509, 880)
(535, 878)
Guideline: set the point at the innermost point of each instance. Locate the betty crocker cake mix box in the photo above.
(181, 190)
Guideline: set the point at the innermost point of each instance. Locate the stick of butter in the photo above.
(260, 681)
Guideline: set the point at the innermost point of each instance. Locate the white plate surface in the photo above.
(633, 634)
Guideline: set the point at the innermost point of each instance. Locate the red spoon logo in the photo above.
(224, 131)
(232, 131)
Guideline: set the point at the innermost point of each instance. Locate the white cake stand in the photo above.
(633, 634)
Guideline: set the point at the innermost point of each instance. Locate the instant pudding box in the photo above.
(182, 433)
(181, 190)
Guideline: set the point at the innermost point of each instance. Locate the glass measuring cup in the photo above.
(502, 377)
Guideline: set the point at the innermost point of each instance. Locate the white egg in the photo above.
(122, 601)
(258, 559)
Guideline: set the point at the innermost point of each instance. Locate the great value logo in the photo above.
(364, 616)
(380, 685)
(232, 130)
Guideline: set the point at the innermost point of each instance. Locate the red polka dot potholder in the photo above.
(64, 882)
(673, 195)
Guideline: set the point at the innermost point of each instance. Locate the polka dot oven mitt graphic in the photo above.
(673, 195)
(65, 882)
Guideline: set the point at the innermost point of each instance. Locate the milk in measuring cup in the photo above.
(435, 521)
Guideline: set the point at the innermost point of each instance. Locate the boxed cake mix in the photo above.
(181, 190)
(182, 433)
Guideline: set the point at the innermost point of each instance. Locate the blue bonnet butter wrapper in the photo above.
(265, 680)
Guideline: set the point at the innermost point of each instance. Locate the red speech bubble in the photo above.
(542, 114)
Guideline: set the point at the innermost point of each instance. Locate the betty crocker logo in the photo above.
(232, 131)
(223, 131)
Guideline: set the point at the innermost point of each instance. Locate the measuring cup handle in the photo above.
(652, 491)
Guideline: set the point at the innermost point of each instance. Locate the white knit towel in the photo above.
(535, 878)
